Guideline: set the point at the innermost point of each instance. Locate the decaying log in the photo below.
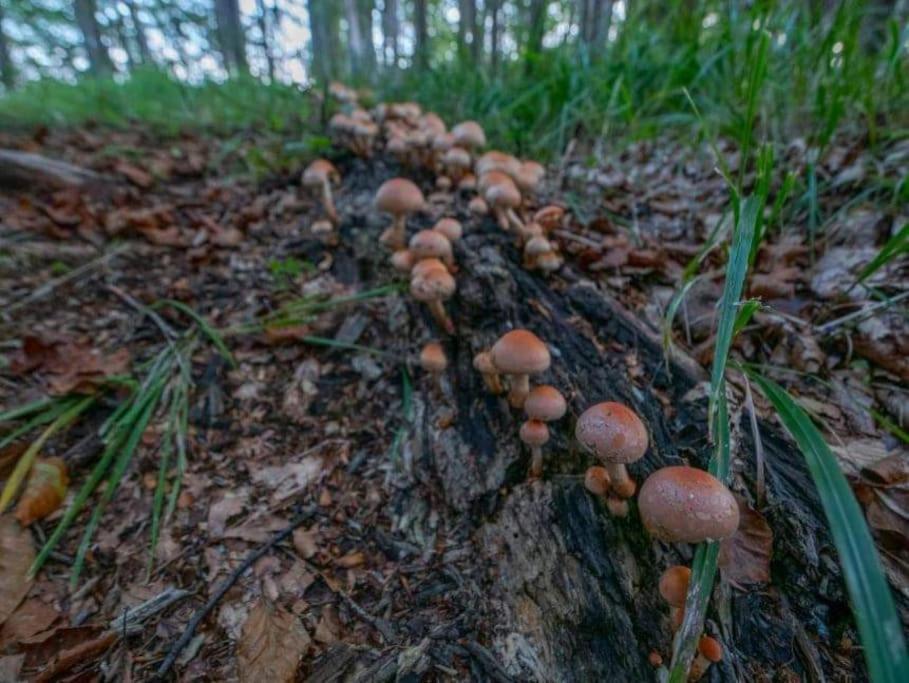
(572, 592)
(22, 169)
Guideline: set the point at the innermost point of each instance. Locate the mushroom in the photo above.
(469, 135)
(402, 260)
(449, 227)
(535, 434)
(443, 183)
(549, 217)
(497, 161)
(433, 286)
(320, 175)
(544, 404)
(709, 652)
(596, 480)
(503, 197)
(431, 244)
(520, 353)
(482, 362)
(529, 176)
(687, 505)
(534, 249)
(456, 162)
(398, 197)
(432, 123)
(674, 588)
(468, 183)
(478, 206)
(615, 435)
(325, 231)
(549, 262)
(434, 361)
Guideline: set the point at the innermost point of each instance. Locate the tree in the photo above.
(494, 37)
(139, 32)
(536, 29)
(421, 35)
(7, 70)
(323, 27)
(87, 20)
(231, 39)
(595, 18)
(390, 32)
(359, 37)
(265, 37)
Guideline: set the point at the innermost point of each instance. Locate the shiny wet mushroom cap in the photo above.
(520, 353)
(545, 403)
(687, 505)
(674, 585)
(398, 197)
(432, 358)
(431, 244)
(450, 228)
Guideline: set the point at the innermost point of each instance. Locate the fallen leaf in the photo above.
(134, 174)
(82, 654)
(271, 646)
(231, 505)
(257, 530)
(354, 558)
(44, 490)
(67, 366)
(16, 556)
(329, 628)
(745, 556)
(306, 542)
(32, 617)
(10, 666)
(287, 480)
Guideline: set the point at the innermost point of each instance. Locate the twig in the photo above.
(862, 312)
(132, 618)
(759, 482)
(580, 239)
(169, 332)
(225, 586)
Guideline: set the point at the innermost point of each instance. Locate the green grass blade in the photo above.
(898, 244)
(213, 335)
(53, 411)
(879, 626)
(668, 319)
(25, 409)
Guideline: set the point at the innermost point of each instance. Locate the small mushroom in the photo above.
(596, 480)
(674, 589)
(398, 197)
(494, 160)
(443, 183)
(434, 361)
(320, 175)
(478, 206)
(520, 353)
(469, 135)
(687, 505)
(503, 197)
(450, 228)
(482, 362)
(468, 183)
(431, 244)
(402, 260)
(549, 262)
(534, 249)
(544, 404)
(709, 652)
(535, 434)
(549, 217)
(456, 162)
(529, 176)
(616, 436)
(432, 287)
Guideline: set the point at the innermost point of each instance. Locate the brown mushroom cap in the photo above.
(422, 267)
(520, 352)
(478, 206)
(450, 228)
(433, 123)
(529, 176)
(469, 134)
(399, 196)
(674, 585)
(320, 171)
(492, 178)
(457, 157)
(503, 196)
(482, 362)
(613, 432)
(536, 246)
(534, 433)
(688, 505)
(545, 403)
(403, 260)
(442, 142)
(428, 244)
(432, 358)
(710, 648)
(436, 284)
(549, 217)
(497, 161)
(549, 261)
(396, 145)
(340, 123)
(596, 480)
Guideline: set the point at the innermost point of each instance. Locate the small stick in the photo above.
(225, 586)
(861, 313)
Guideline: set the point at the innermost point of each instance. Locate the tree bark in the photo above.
(7, 70)
(494, 7)
(421, 35)
(359, 37)
(390, 32)
(265, 35)
(86, 19)
(324, 40)
(231, 38)
(139, 32)
(536, 30)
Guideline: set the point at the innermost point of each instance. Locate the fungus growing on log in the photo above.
(399, 197)
(519, 354)
(687, 505)
(431, 244)
(673, 589)
(535, 434)
(596, 480)
(432, 284)
(709, 652)
(483, 364)
(449, 227)
(319, 176)
(544, 404)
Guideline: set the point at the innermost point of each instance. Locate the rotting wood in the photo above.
(23, 169)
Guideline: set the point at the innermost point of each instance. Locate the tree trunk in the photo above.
(139, 32)
(265, 35)
(231, 38)
(359, 37)
(98, 58)
(494, 6)
(535, 31)
(7, 70)
(421, 35)
(390, 33)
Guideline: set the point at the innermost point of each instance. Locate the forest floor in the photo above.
(389, 573)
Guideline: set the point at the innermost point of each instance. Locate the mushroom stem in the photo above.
(512, 219)
(328, 203)
(437, 308)
(676, 615)
(493, 383)
(698, 667)
(621, 482)
(618, 507)
(395, 236)
(520, 387)
(536, 462)
(501, 218)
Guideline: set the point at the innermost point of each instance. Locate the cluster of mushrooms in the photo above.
(677, 504)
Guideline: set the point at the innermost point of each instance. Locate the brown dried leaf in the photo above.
(745, 556)
(231, 505)
(68, 366)
(16, 556)
(44, 490)
(306, 542)
(134, 174)
(271, 646)
(32, 617)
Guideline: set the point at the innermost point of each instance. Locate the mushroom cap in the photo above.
(399, 196)
(436, 284)
(495, 160)
(674, 585)
(490, 178)
(432, 357)
(549, 261)
(443, 183)
(424, 266)
(396, 145)
(596, 480)
(520, 352)
(449, 227)
(482, 362)
(710, 648)
(432, 123)
(361, 115)
(613, 432)
(534, 433)
(320, 171)
(687, 505)
(529, 176)
(322, 227)
(536, 246)
(442, 142)
(429, 244)
(549, 216)
(545, 403)
(402, 260)
(340, 123)
(469, 134)
(478, 206)
(468, 182)
(457, 157)
(504, 196)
